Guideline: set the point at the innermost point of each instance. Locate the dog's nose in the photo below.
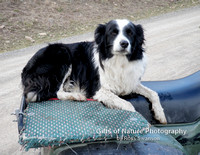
(124, 44)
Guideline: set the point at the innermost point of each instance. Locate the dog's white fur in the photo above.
(120, 37)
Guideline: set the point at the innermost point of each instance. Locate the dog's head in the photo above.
(120, 37)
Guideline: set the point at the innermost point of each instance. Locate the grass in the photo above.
(64, 18)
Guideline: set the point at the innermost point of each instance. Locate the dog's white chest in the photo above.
(121, 76)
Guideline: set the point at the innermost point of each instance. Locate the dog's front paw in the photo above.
(159, 113)
(161, 117)
(111, 100)
(124, 105)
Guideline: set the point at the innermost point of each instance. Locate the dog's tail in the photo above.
(45, 71)
(37, 88)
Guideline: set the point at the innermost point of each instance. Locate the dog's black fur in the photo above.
(45, 71)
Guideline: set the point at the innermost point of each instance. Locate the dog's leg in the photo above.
(154, 99)
(63, 95)
(112, 101)
(75, 96)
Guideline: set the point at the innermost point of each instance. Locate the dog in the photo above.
(110, 66)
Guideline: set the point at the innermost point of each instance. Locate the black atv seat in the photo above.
(180, 99)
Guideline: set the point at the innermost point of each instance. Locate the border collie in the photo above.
(103, 70)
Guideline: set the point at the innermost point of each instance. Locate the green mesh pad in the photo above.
(56, 123)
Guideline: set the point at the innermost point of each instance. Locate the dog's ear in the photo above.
(139, 35)
(100, 33)
(138, 44)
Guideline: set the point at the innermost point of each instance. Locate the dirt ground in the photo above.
(29, 22)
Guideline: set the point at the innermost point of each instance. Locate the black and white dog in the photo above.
(109, 67)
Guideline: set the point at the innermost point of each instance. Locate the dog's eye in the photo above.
(129, 32)
(114, 32)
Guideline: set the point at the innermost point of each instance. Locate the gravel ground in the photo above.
(172, 45)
